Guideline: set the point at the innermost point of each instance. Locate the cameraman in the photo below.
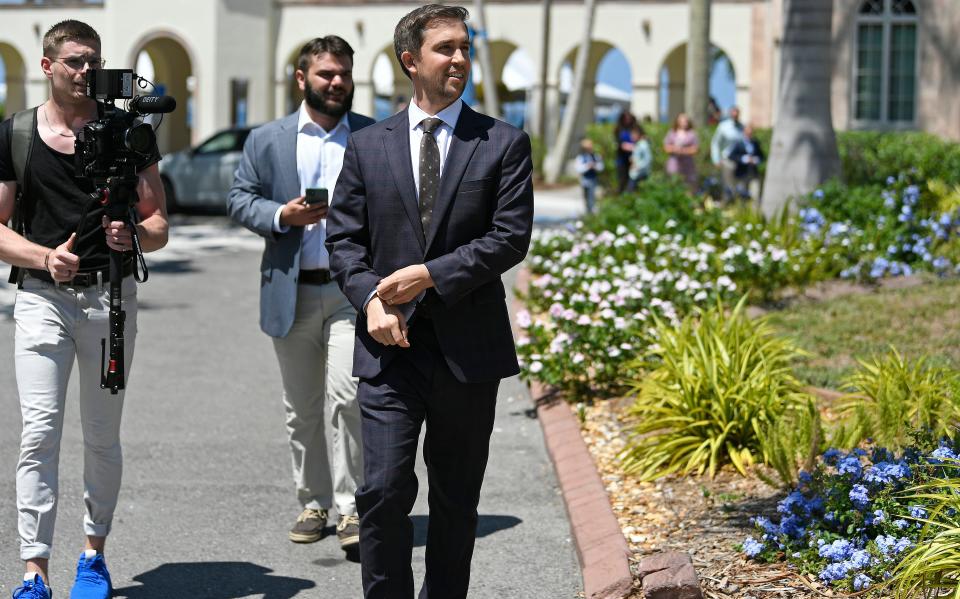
(62, 307)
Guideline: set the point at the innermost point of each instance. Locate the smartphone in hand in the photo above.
(316, 195)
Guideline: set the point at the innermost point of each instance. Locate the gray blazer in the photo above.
(266, 178)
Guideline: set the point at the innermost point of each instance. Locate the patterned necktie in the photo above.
(429, 171)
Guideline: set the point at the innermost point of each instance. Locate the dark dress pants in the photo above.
(417, 387)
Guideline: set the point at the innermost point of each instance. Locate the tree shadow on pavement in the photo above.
(487, 525)
(213, 580)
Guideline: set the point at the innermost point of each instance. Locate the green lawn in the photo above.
(921, 320)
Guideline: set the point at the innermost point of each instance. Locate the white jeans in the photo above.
(54, 326)
(316, 361)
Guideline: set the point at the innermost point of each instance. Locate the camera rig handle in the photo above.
(118, 197)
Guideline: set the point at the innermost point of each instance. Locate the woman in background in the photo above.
(681, 145)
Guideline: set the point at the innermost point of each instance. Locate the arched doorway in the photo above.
(173, 76)
(391, 87)
(609, 72)
(673, 77)
(13, 81)
(518, 77)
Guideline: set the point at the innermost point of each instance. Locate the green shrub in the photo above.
(889, 396)
(715, 385)
(869, 157)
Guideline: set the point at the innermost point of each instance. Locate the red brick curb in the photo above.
(601, 549)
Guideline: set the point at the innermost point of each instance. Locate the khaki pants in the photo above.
(55, 326)
(316, 361)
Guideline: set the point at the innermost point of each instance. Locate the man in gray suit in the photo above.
(289, 169)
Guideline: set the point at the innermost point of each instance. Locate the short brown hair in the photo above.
(408, 35)
(331, 44)
(67, 31)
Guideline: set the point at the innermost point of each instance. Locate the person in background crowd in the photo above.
(640, 159)
(747, 155)
(621, 133)
(728, 132)
(713, 112)
(588, 165)
(681, 145)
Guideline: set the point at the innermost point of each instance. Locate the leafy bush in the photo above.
(716, 383)
(870, 157)
(889, 397)
(849, 521)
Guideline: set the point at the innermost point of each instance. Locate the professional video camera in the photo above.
(107, 152)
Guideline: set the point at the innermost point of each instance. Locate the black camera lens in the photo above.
(140, 138)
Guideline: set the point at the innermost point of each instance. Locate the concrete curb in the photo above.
(601, 549)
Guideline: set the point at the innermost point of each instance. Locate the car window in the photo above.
(226, 141)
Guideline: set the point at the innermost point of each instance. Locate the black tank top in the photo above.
(57, 200)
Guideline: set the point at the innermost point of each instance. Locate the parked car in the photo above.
(199, 178)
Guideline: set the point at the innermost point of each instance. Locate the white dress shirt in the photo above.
(444, 134)
(319, 160)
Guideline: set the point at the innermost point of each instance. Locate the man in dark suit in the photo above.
(747, 155)
(432, 206)
(286, 164)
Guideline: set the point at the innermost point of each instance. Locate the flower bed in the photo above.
(850, 522)
(600, 284)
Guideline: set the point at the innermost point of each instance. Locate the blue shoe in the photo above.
(32, 588)
(93, 580)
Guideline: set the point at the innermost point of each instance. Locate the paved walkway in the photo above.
(207, 496)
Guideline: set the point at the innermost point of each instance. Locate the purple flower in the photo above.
(752, 547)
(850, 465)
(835, 571)
(859, 496)
(861, 582)
(837, 551)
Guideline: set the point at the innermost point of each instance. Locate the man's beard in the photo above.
(442, 89)
(321, 102)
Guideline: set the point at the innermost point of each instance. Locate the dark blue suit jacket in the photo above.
(480, 228)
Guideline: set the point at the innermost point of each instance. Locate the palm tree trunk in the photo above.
(698, 62)
(491, 104)
(541, 123)
(557, 157)
(803, 152)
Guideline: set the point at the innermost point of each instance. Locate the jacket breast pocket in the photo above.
(475, 185)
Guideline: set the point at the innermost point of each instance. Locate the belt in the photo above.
(318, 276)
(82, 279)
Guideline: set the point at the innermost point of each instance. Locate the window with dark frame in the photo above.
(885, 68)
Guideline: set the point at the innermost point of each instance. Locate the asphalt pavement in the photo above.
(207, 494)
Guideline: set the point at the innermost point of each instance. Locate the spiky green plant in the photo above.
(932, 568)
(715, 385)
(889, 396)
(791, 442)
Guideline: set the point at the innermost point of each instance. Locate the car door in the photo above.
(207, 166)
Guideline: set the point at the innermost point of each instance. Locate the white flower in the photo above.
(536, 367)
(613, 352)
(523, 319)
